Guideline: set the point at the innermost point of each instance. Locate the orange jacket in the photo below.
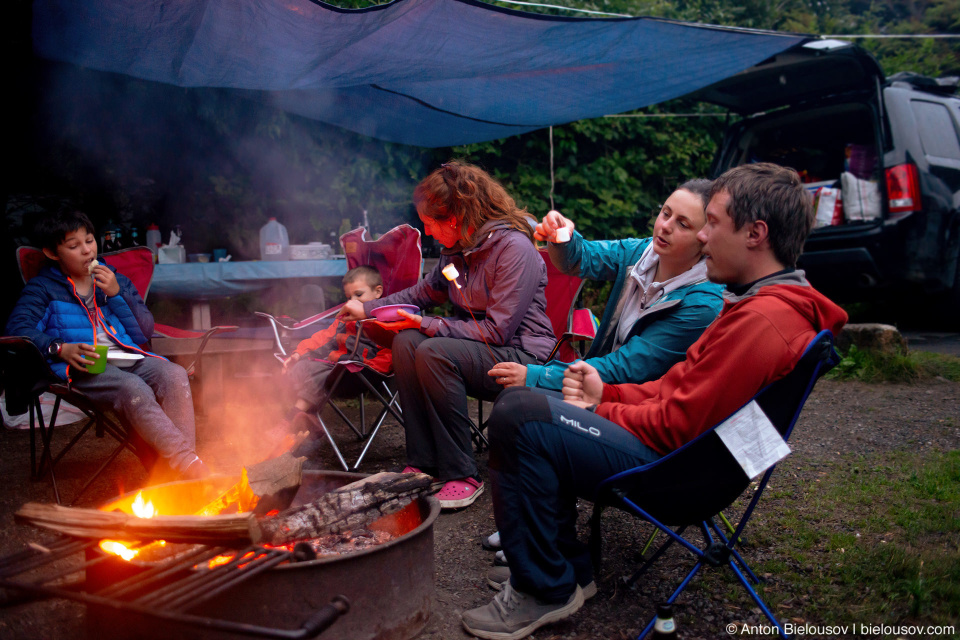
(337, 341)
(757, 339)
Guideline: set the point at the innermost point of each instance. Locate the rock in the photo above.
(872, 336)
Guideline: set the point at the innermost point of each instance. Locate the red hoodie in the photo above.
(757, 339)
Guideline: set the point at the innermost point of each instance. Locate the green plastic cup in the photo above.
(100, 364)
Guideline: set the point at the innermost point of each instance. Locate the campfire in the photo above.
(232, 553)
(339, 520)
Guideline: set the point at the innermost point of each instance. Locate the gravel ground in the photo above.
(840, 418)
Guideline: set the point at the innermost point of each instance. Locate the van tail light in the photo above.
(903, 188)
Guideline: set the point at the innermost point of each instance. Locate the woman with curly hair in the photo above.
(499, 315)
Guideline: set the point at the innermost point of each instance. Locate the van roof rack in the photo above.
(946, 85)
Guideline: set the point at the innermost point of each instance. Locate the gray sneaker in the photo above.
(498, 576)
(513, 615)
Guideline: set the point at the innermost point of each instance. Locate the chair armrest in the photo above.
(166, 331)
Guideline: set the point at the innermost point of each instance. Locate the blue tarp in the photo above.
(430, 73)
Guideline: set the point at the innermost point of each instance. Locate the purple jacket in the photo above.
(502, 279)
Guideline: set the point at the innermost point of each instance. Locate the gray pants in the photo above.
(153, 397)
(434, 377)
(311, 381)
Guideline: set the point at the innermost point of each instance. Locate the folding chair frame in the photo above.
(719, 550)
(355, 246)
(567, 336)
(103, 423)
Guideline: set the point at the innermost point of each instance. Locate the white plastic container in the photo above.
(153, 240)
(274, 242)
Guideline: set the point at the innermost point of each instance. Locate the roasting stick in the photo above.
(450, 273)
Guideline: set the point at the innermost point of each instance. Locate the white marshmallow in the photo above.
(450, 273)
(562, 235)
(94, 264)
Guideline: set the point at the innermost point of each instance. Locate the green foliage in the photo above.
(869, 365)
(896, 554)
(610, 173)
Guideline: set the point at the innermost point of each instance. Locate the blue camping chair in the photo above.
(690, 486)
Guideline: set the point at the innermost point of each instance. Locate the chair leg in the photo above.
(373, 434)
(333, 443)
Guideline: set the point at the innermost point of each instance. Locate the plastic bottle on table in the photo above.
(274, 242)
(153, 238)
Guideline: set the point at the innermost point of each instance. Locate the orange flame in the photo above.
(118, 548)
(141, 509)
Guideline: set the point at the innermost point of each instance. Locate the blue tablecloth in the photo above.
(208, 280)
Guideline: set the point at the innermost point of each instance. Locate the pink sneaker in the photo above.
(459, 493)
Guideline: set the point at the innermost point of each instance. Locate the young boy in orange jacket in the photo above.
(309, 367)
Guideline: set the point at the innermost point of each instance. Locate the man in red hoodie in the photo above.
(545, 452)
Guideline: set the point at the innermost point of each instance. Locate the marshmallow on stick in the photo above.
(450, 273)
(93, 265)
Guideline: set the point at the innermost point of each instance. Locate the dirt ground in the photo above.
(839, 418)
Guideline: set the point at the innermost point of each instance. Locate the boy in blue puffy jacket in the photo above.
(75, 303)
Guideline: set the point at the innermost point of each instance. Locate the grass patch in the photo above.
(868, 365)
(888, 553)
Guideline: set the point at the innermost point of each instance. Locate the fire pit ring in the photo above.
(390, 586)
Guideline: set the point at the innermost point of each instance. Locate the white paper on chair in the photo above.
(753, 440)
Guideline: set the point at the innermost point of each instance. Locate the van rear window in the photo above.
(937, 132)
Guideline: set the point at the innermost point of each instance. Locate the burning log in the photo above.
(350, 507)
(353, 506)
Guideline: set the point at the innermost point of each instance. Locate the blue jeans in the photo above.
(544, 454)
(153, 397)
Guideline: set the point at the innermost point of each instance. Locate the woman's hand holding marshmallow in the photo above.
(554, 228)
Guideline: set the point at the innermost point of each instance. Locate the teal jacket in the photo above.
(661, 335)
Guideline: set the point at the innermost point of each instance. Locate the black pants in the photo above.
(544, 454)
(434, 377)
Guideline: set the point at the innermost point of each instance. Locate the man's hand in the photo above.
(76, 354)
(547, 229)
(106, 280)
(582, 384)
(509, 374)
(289, 362)
(352, 310)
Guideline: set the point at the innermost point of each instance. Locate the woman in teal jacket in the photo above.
(660, 303)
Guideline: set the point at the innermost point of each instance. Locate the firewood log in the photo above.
(353, 506)
(240, 528)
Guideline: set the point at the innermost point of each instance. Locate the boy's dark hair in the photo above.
(54, 227)
(365, 271)
(774, 194)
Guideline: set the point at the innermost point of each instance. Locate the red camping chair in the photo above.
(397, 256)
(20, 355)
(569, 324)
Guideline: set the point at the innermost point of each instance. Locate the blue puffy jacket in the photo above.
(660, 337)
(50, 309)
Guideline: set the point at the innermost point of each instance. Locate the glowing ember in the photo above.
(141, 509)
(118, 549)
(220, 560)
